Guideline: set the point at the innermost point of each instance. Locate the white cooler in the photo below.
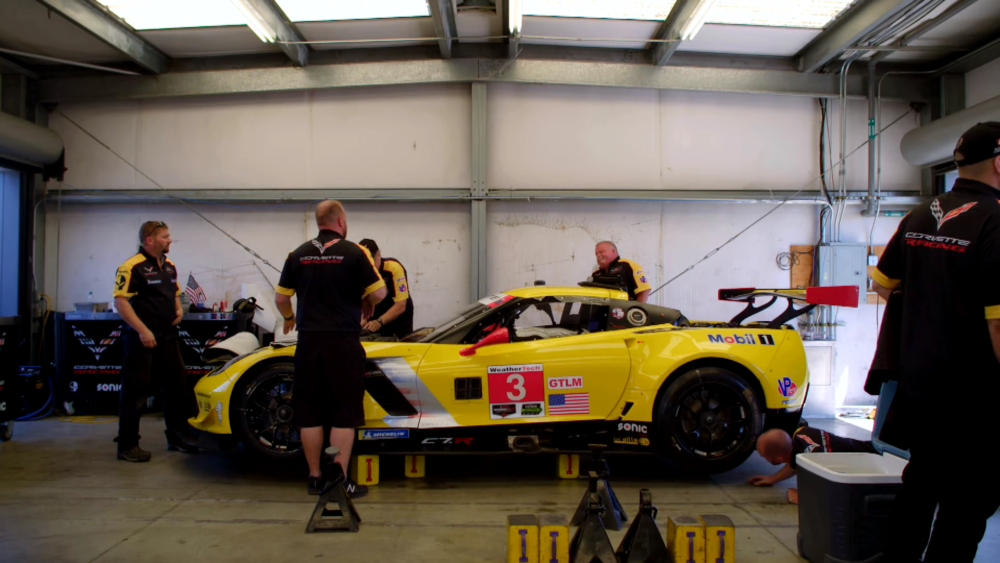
(845, 498)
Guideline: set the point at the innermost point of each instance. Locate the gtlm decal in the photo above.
(95, 347)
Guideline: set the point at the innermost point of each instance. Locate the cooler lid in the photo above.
(859, 468)
(881, 410)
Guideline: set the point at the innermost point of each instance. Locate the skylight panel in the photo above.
(333, 10)
(169, 14)
(601, 9)
(777, 13)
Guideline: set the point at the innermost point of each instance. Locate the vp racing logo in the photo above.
(941, 217)
(96, 348)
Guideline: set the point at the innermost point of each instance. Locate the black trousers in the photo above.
(140, 364)
(951, 471)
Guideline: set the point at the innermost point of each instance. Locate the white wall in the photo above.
(415, 136)
(86, 243)
(563, 137)
(548, 137)
(982, 84)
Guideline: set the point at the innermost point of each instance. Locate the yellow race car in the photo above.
(550, 369)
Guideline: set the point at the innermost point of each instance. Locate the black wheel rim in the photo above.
(711, 420)
(269, 414)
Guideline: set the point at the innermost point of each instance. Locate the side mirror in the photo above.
(499, 336)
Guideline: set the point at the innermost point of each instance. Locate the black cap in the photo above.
(370, 245)
(981, 142)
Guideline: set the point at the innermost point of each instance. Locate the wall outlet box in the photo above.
(872, 260)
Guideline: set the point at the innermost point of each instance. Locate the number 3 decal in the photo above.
(517, 380)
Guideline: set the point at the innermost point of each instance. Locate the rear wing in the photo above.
(837, 296)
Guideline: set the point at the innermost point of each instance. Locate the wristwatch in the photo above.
(380, 323)
(288, 318)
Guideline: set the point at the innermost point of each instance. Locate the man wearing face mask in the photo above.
(624, 273)
(147, 297)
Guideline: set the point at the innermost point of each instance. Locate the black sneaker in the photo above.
(135, 454)
(182, 441)
(355, 490)
(315, 485)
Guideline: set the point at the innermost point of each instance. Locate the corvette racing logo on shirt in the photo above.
(941, 217)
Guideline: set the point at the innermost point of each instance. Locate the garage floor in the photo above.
(64, 497)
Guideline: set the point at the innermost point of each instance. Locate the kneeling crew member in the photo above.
(147, 297)
(391, 317)
(337, 284)
(776, 446)
(628, 273)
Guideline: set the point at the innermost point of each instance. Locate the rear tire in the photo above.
(263, 417)
(709, 420)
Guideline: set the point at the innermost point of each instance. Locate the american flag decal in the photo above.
(569, 403)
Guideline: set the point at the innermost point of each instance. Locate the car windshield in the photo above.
(466, 314)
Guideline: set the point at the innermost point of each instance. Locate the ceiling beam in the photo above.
(670, 29)
(95, 20)
(284, 31)
(926, 26)
(512, 19)
(9, 66)
(443, 14)
(983, 54)
(846, 31)
(529, 71)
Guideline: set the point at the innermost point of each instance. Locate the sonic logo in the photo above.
(89, 343)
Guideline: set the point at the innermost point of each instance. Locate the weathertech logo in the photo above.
(941, 217)
(97, 348)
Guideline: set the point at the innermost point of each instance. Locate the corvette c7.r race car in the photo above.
(550, 369)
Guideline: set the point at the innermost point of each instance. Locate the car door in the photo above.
(560, 366)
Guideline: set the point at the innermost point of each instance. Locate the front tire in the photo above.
(263, 417)
(709, 420)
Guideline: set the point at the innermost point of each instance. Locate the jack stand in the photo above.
(345, 517)
(642, 542)
(590, 543)
(598, 470)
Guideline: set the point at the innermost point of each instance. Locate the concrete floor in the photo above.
(64, 497)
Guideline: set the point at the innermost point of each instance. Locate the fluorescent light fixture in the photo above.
(334, 10)
(516, 8)
(255, 21)
(693, 24)
(778, 13)
(600, 9)
(169, 14)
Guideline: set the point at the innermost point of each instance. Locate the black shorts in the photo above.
(329, 387)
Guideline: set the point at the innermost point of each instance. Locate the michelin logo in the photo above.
(384, 434)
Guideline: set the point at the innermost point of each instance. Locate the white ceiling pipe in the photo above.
(934, 143)
(25, 142)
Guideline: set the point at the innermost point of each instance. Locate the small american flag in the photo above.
(569, 403)
(195, 291)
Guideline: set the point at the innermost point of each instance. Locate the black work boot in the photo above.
(355, 490)
(135, 454)
(182, 441)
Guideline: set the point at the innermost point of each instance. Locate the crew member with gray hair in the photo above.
(619, 271)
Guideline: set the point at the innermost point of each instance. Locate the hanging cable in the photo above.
(179, 200)
(764, 216)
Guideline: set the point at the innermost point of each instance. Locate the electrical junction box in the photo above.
(844, 264)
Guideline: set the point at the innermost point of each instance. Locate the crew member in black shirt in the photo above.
(338, 287)
(777, 447)
(147, 296)
(624, 273)
(944, 264)
(392, 317)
